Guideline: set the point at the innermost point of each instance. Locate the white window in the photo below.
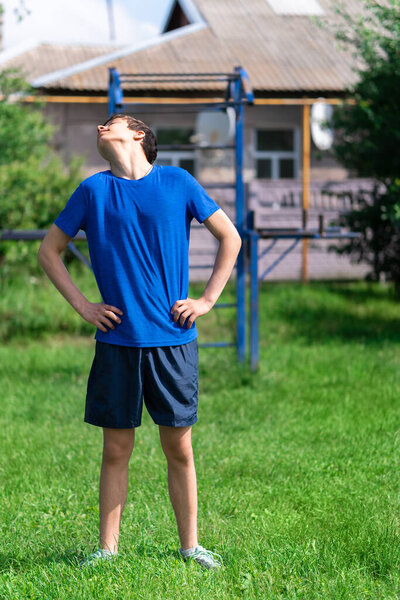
(276, 153)
(296, 7)
(178, 158)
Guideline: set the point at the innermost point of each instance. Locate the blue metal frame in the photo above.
(238, 94)
(254, 300)
(254, 235)
(240, 209)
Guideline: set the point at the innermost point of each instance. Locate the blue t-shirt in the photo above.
(138, 237)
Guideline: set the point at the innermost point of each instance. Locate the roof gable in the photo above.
(177, 18)
(181, 13)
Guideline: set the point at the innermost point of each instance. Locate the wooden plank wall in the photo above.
(278, 204)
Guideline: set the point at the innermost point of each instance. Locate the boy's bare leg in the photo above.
(117, 449)
(176, 443)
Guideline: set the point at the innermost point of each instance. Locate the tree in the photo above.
(367, 132)
(34, 182)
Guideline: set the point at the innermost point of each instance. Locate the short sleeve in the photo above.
(73, 216)
(199, 203)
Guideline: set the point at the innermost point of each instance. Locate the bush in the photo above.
(376, 218)
(32, 195)
(34, 183)
(368, 134)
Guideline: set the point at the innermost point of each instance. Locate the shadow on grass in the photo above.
(323, 313)
(16, 562)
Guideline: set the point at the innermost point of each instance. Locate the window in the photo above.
(177, 158)
(276, 153)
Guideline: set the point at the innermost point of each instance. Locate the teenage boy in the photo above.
(137, 216)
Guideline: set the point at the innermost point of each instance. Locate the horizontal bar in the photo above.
(173, 108)
(303, 235)
(338, 236)
(218, 104)
(189, 79)
(175, 100)
(217, 345)
(296, 229)
(219, 185)
(201, 266)
(195, 147)
(33, 234)
(225, 305)
(288, 235)
(229, 75)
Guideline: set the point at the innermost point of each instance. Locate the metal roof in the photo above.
(39, 58)
(281, 53)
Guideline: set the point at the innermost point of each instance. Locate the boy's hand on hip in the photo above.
(99, 314)
(189, 309)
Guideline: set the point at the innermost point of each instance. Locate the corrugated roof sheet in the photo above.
(46, 57)
(281, 53)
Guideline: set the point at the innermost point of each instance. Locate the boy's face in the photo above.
(113, 134)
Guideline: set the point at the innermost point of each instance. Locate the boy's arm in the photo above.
(229, 245)
(54, 242)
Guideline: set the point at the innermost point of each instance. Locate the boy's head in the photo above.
(118, 127)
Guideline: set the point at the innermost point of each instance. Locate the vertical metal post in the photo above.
(254, 302)
(241, 275)
(115, 94)
(306, 186)
(111, 91)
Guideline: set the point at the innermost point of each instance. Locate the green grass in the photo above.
(297, 465)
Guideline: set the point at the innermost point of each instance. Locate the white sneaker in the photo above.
(97, 556)
(204, 557)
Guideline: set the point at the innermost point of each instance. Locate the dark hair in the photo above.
(149, 142)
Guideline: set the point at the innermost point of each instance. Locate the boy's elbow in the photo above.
(41, 252)
(44, 253)
(238, 241)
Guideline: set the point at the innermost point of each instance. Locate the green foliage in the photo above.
(376, 218)
(32, 194)
(368, 133)
(23, 131)
(34, 182)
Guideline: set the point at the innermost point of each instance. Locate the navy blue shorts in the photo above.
(121, 376)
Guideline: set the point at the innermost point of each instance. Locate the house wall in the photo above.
(76, 134)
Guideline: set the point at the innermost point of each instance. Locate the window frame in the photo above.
(276, 155)
(175, 155)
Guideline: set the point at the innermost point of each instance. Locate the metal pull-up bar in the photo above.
(238, 93)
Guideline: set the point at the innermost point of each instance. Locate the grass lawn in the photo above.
(297, 465)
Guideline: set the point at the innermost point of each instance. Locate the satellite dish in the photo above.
(215, 128)
(321, 134)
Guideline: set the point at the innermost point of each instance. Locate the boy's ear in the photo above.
(137, 136)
